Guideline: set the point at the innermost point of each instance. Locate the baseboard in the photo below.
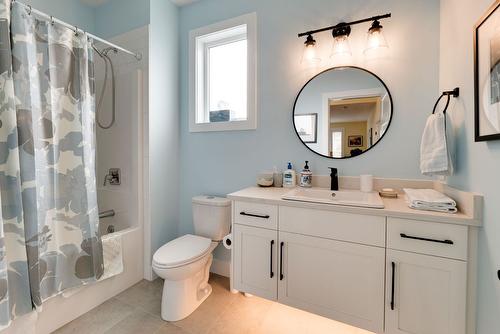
(220, 267)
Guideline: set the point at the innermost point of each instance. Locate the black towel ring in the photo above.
(455, 93)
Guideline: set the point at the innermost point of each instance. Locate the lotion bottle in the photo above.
(289, 177)
(306, 176)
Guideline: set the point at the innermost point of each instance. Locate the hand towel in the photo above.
(435, 149)
(112, 253)
(430, 200)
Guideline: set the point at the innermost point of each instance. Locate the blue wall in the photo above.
(71, 11)
(223, 162)
(478, 163)
(113, 18)
(163, 122)
(119, 16)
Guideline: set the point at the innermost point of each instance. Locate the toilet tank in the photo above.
(211, 216)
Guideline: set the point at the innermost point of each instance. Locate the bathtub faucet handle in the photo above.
(113, 177)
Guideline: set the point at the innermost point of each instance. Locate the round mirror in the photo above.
(342, 112)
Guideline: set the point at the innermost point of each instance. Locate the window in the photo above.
(222, 93)
(337, 142)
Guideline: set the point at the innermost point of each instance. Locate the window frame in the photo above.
(199, 72)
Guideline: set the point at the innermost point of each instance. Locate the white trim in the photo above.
(250, 20)
(351, 94)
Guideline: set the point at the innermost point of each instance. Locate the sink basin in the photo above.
(341, 197)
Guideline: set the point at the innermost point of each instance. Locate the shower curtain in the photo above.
(49, 237)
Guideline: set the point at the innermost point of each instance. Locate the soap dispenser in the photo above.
(289, 177)
(306, 177)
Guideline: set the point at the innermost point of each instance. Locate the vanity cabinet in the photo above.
(425, 294)
(325, 266)
(379, 270)
(426, 277)
(330, 278)
(255, 270)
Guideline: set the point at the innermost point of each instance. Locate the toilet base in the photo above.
(182, 297)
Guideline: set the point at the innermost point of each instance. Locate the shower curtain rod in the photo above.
(52, 19)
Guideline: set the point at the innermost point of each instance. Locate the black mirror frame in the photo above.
(334, 68)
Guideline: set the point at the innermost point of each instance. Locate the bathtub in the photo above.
(80, 300)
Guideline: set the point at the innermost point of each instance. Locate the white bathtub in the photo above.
(60, 310)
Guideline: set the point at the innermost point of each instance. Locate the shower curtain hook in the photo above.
(30, 9)
(51, 20)
(76, 31)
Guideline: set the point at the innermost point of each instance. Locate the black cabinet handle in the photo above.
(448, 242)
(393, 265)
(254, 215)
(281, 261)
(271, 273)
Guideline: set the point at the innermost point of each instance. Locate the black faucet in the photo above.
(334, 175)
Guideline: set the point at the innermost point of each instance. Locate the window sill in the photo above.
(223, 126)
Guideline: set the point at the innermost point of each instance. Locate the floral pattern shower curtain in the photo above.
(49, 237)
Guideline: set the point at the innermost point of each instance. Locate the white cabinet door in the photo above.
(254, 261)
(339, 280)
(425, 294)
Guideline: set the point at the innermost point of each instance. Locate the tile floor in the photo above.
(137, 310)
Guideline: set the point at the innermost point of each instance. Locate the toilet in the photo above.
(184, 263)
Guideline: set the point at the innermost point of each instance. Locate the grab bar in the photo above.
(106, 214)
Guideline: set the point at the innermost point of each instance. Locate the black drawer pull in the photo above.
(254, 215)
(393, 265)
(271, 273)
(281, 260)
(448, 242)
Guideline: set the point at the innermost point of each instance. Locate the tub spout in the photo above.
(106, 214)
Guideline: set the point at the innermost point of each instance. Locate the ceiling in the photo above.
(97, 3)
(351, 112)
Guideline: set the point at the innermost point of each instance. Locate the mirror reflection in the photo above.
(342, 112)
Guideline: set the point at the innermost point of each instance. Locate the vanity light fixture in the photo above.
(310, 53)
(376, 37)
(340, 46)
(340, 33)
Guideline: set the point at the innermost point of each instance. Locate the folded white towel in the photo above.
(430, 200)
(435, 150)
(112, 254)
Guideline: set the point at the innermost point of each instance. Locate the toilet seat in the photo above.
(181, 251)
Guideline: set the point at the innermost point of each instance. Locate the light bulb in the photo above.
(375, 38)
(310, 53)
(341, 46)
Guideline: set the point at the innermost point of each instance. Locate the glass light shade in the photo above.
(310, 54)
(375, 40)
(341, 46)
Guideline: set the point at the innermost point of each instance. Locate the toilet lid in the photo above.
(181, 251)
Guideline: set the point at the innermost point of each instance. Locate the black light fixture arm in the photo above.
(345, 24)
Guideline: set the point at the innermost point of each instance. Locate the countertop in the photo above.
(394, 207)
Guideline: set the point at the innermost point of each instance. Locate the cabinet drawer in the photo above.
(422, 237)
(256, 214)
(368, 230)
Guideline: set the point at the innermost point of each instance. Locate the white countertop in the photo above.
(394, 207)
